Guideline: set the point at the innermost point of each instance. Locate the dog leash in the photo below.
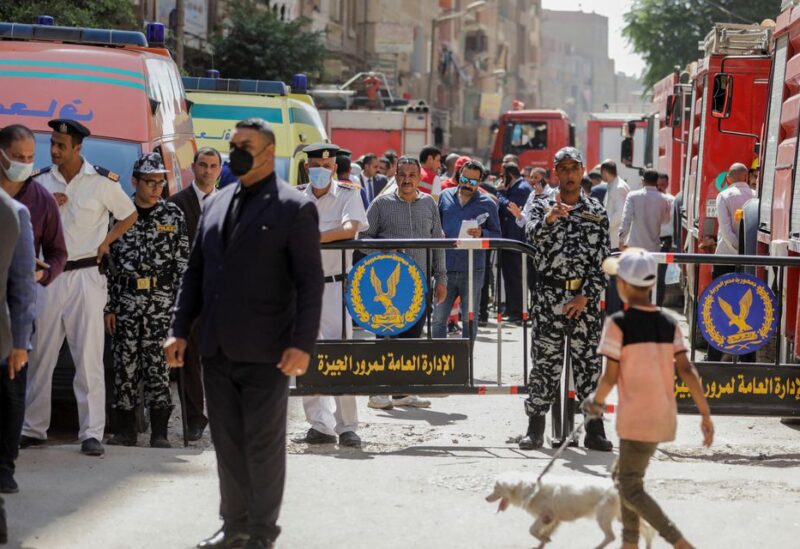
(578, 428)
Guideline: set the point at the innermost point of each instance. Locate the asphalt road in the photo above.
(419, 481)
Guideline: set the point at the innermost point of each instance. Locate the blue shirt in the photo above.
(518, 194)
(453, 213)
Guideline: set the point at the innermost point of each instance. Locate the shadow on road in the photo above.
(432, 417)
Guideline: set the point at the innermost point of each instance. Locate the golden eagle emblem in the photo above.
(391, 316)
(738, 319)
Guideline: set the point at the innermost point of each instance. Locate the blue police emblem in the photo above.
(386, 293)
(736, 313)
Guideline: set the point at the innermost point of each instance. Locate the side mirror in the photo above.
(722, 95)
(626, 151)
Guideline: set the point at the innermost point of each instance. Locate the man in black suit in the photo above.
(255, 281)
(371, 181)
(207, 166)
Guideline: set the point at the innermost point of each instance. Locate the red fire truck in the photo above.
(778, 216)
(604, 140)
(723, 129)
(534, 136)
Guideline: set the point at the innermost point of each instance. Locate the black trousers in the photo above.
(247, 415)
(488, 284)
(193, 383)
(613, 301)
(512, 281)
(12, 413)
(661, 287)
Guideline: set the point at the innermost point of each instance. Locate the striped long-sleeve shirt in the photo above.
(389, 216)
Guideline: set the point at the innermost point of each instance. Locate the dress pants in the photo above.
(613, 301)
(12, 412)
(193, 383)
(247, 404)
(512, 282)
(661, 287)
(332, 415)
(71, 307)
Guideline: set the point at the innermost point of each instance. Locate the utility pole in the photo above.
(179, 22)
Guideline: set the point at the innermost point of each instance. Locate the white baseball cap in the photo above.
(635, 266)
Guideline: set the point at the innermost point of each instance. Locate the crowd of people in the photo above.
(182, 282)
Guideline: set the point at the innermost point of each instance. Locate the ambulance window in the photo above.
(528, 136)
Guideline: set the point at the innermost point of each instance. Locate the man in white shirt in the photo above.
(72, 306)
(667, 231)
(616, 194)
(341, 217)
(729, 202)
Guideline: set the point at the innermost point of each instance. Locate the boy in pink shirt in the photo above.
(644, 347)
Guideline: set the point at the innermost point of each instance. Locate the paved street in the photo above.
(419, 481)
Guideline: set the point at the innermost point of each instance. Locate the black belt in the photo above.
(84, 263)
(569, 284)
(145, 283)
(335, 278)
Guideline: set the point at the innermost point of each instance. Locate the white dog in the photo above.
(557, 500)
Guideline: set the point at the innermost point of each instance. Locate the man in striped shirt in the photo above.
(409, 213)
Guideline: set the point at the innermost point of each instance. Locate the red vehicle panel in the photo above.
(534, 136)
(721, 142)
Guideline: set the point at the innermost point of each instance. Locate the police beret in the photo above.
(321, 150)
(69, 127)
(149, 163)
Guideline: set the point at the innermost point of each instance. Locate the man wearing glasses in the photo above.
(149, 259)
(464, 206)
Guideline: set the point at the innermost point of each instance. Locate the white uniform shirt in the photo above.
(728, 201)
(201, 196)
(342, 203)
(616, 194)
(668, 228)
(90, 198)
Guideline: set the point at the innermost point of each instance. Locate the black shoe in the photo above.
(596, 436)
(259, 543)
(159, 419)
(92, 447)
(483, 323)
(224, 540)
(7, 483)
(315, 437)
(350, 439)
(534, 438)
(27, 442)
(126, 434)
(196, 429)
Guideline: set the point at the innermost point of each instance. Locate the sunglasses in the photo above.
(467, 181)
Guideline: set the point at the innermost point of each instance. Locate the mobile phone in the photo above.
(41, 265)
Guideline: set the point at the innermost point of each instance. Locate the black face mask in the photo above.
(240, 161)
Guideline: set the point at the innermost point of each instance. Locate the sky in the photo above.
(626, 61)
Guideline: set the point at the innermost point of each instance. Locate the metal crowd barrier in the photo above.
(446, 366)
(762, 385)
(419, 366)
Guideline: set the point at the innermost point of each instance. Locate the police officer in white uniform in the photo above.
(341, 217)
(72, 305)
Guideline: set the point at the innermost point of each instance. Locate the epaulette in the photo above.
(107, 173)
(41, 171)
(348, 185)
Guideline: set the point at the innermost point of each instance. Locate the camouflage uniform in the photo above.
(572, 247)
(149, 259)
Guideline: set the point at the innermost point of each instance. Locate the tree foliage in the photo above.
(117, 14)
(256, 44)
(666, 32)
